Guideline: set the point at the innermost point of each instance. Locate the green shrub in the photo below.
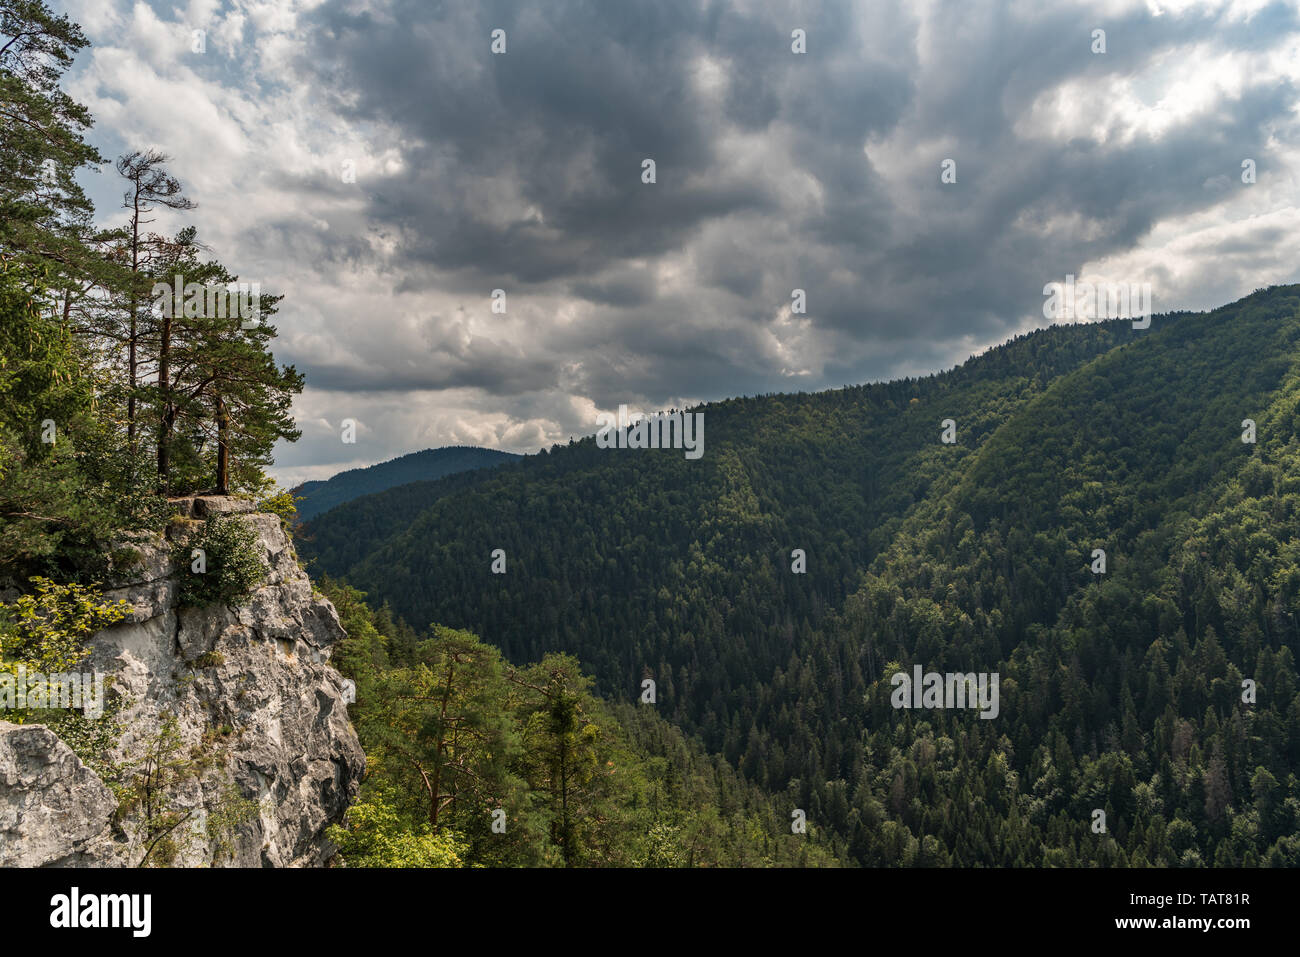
(125, 557)
(282, 504)
(374, 834)
(232, 566)
(47, 630)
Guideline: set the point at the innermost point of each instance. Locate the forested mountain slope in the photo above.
(1123, 691)
(474, 761)
(1120, 692)
(317, 497)
(599, 538)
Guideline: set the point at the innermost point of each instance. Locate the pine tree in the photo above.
(41, 140)
(151, 187)
(242, 392)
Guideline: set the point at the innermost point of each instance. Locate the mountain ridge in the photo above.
(318, 496)
(973, 556)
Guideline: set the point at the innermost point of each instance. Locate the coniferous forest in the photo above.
(592, 657)
(1120, 691)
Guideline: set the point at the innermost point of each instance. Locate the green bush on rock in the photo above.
(220, 564)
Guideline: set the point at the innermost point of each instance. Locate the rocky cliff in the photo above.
(231, 744)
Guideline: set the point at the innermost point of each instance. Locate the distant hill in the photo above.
(1113, 533)
(320, 497)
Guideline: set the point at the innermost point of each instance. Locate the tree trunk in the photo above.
(135, 307)
(167, 416)
(564, 801)
(442, 731)
(223, 448)
(130, 383)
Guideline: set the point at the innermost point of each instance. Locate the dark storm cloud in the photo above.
(775, 171)
(564, 119)
(495, 373)
(625, 288)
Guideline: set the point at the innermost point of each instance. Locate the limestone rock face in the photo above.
(240, 699)
(51, 806)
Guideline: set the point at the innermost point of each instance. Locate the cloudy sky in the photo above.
(378, 164)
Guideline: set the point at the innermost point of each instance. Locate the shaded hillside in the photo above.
(1120, 692)
(318, 497)
(626, 540)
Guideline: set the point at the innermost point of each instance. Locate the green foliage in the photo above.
(105, 404)
(226, 402)
(456, 740)
(234, 566)
(41, 141)
(374, 834)
(1121, 691)
(145, 796)
(91, 739)
(59, 499)
(47, 629)
(282, 503)
(225, 817)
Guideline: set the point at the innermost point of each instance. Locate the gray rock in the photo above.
(257, 708)
(206, 506)
(51, 805)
